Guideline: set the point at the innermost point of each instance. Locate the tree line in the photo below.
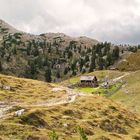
(48, 60)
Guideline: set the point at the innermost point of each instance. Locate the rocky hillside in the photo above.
(34, 110)
(130, 63)
(6, 28)
(52, 57)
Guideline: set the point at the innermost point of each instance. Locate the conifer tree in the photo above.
(48, 75)
(58, 74)
(109, 60)
(115, 53)
(100, 63)
(1, 66)
(65, 71)
(92, 64)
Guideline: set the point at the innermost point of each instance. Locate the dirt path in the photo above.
(120, 77)
(70, 98)
(3, 110)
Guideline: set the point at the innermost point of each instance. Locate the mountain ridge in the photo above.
(62, 56)
(11, 29)
(27, 47)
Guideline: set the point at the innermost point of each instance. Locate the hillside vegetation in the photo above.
(129, 94)
(99, 117)
(131, 63)
(53, 57)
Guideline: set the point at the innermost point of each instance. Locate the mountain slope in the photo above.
(27, 55)
(65, 40)
(22, 90)
(6, 28)
(100, 117)
(131, 63)
(129, 94)
(52, 56)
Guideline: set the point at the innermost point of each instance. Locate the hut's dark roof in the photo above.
(87, 78)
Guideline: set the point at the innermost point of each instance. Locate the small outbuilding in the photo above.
(90, 81)
(112, 68)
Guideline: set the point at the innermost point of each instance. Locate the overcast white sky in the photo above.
(117, 21)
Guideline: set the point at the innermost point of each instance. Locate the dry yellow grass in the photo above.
(99, 116)
(131, 63)
(26, 90)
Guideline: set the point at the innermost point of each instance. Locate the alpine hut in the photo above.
(88, 81)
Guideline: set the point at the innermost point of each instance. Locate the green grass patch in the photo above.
(88, 89)
(74, 80)
(99, 90)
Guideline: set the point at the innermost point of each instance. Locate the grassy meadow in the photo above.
(100, 117)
